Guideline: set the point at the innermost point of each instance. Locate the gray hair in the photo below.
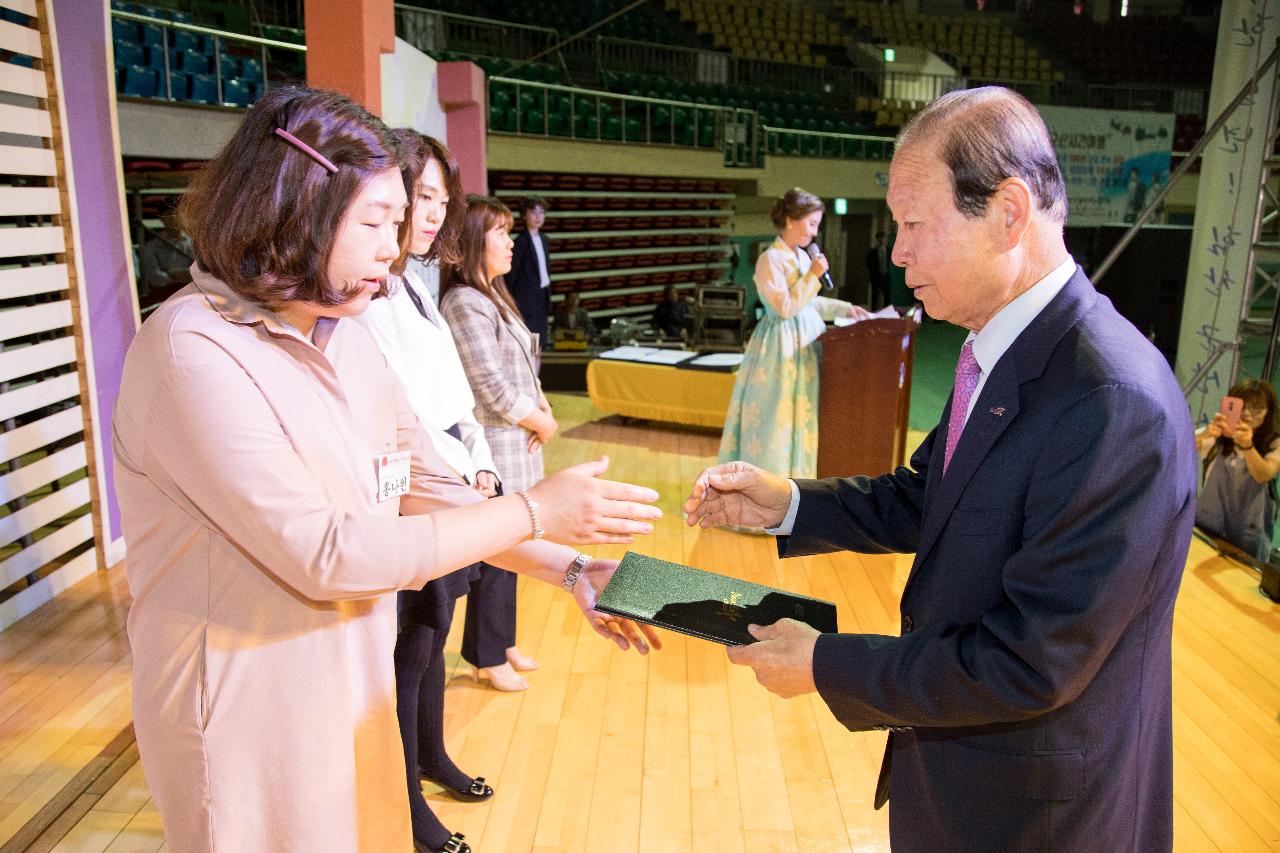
(985, 136)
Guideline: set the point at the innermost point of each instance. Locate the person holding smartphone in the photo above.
(1241, 460)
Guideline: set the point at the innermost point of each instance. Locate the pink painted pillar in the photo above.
(462, 97)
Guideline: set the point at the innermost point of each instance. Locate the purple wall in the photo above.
(82, 29)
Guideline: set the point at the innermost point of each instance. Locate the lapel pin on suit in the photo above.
(998, 411)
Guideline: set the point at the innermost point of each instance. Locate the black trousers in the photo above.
(490, 627)
(419, 660)
(880, 291)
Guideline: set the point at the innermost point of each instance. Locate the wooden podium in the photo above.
(865, 396)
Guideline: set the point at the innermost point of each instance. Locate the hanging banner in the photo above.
(1113, 161)
(1220, 276)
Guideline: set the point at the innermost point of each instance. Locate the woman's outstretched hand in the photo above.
(626, 633)
(577, 507)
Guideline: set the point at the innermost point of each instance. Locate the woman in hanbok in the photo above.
(772, 420)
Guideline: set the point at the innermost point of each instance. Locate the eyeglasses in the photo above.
(1260, 409)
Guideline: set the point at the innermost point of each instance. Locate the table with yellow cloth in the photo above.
(660, 392)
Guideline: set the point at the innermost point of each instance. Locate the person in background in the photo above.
(571, 315)
(166, 258)
(1135, 195)
(671, 316)
(499, 354)
(772, 420)
(1238, 497)
(275, 488)
(419, 347)
(529, 281)
(878, 271)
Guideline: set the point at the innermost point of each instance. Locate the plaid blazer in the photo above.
(503, 377)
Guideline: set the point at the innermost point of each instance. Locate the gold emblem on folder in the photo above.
(730, 607)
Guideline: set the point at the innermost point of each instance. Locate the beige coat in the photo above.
(262, 569)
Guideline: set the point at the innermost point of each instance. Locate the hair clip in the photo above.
(306, 149)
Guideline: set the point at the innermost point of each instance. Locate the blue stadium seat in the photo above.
(179, 83)
(152, 35)
(230, 67)
(191, 62)
(153, 12)
(182, 41)
(155, 57)
(235, 92)
(125, 31)
(204, 89)
(251, 69)
(139, 81)
(128, 54)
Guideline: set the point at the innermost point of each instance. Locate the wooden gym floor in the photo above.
(611, 751)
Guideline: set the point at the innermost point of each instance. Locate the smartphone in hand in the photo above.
(1231, 407)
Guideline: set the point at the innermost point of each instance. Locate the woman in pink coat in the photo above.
(276, 489)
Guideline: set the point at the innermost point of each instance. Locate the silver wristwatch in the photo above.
(575, 568)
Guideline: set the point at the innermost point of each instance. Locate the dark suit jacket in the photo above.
(872, 260)
(525, 283)
(1030, 689)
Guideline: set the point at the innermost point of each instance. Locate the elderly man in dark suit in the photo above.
(1028, 696)
(529, 281)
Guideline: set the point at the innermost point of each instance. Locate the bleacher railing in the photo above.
(717, 67)
(817, 143)
(221, 39)
(540, 109)
(434, 32)
(843, 85)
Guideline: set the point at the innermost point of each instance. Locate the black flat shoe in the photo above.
(476, 792)
(455, 844)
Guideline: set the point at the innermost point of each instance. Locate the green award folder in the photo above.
(704, 604)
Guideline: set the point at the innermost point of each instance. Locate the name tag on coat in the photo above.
(393, 475)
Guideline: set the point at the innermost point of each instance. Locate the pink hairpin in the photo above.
(306, 149)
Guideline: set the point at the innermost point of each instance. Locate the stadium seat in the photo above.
(204, 89)
(139, 82)
(251, 69)
(235, 92)
(127, 54)
(190, 62)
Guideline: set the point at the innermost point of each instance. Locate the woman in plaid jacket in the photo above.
(499, 355)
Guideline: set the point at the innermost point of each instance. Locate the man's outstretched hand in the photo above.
(737, 493)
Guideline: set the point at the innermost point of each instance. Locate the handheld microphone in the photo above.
(814, 251)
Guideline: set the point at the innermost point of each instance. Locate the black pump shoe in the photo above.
(455, 844)
(476, 792)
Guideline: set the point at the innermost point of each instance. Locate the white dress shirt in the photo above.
(422, 354)
(544, 277)
(989, 344)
